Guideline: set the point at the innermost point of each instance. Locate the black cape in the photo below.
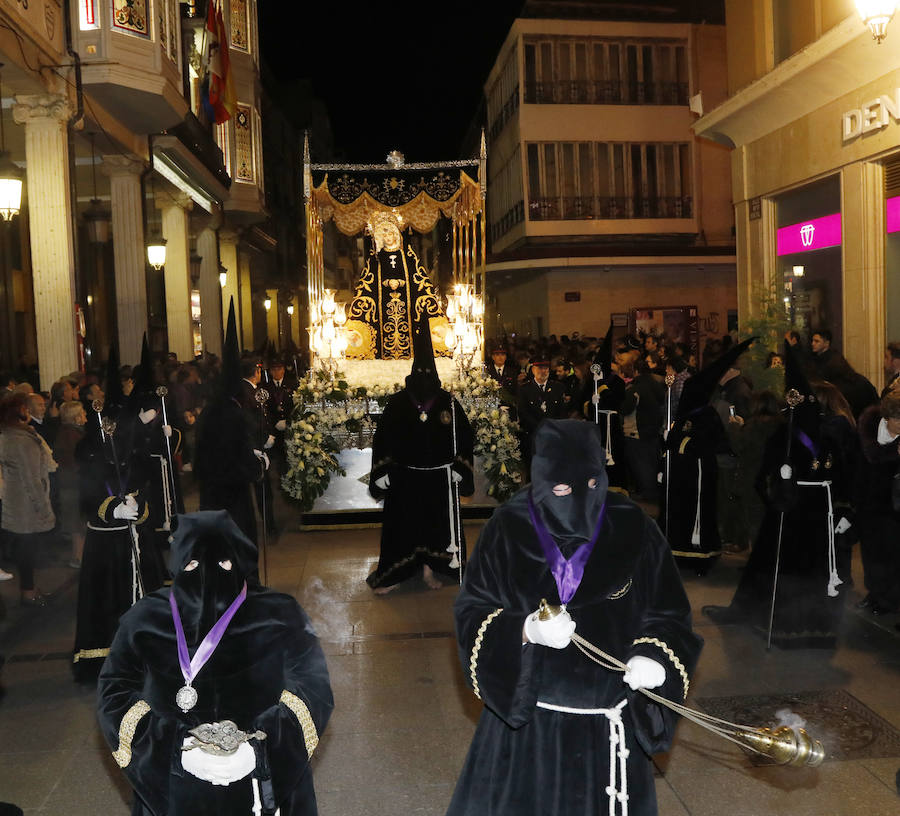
(421, 508)
(630, 602)
(268, 673)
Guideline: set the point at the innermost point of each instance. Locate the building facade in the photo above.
(103, 113)
(812, 120)
(601, 201)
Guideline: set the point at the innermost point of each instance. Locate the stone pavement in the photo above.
(403, 717)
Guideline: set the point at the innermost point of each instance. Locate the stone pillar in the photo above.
(129, 253)
(246, 313)
(50, 223)
(862, 232)
(228, 257)
(178, 274)
(210, 292)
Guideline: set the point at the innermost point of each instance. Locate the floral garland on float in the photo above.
(330, 415)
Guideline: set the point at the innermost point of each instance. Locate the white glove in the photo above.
(555, 633)
(218, 770)
(126, 510)
(595, 399)
(269, 442)
(644, 672)
(786, 472)
(281, 425)
(384, 482)
(457, 477)
(147, 416)
(842, 526)
(167, 431)
(263, 457)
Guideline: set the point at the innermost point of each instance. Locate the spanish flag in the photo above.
(221, 101)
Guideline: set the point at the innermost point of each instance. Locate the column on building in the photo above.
(45, 118)
(246, 292)
(129, 253)
(210, 292)
(228, 257)
(863, 230)
(175, 210)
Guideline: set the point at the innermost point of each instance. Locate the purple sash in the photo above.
(567, 572)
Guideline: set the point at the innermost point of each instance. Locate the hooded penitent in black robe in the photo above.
(268, 673)
(108, 583)
(421, 505)
(526, 760)
(424, 445)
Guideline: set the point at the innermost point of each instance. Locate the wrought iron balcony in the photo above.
(581, 208)
(605, 92)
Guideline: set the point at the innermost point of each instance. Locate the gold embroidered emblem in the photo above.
(301, 712)
(620, 593)
(127, 728)
(445, 417)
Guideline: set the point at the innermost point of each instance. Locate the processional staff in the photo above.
(262, 397)
(172, 509)
(108, 431)
(670, 381)
(793, 398)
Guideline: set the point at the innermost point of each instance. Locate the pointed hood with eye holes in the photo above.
(203, 594)
(570, 452)
(423, 381)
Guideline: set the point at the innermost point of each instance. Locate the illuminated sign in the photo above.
(817, 233)
(892, 214)
(870, 116)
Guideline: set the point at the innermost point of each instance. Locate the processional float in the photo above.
(395, 293)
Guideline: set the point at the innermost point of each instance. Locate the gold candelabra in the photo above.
(465, 313)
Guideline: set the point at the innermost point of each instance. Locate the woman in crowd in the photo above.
(26, 462)
(72, 418)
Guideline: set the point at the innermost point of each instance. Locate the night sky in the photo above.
(397, 75)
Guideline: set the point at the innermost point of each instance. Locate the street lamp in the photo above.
(290, 309)
(223, 276)
(267, 303)
(156, 251)
(876, 14)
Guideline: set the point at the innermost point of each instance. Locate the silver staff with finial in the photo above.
(597, 372)
(262, 397)
(793, 398)
(108, 431)
(172, 510)
(670, 381)
(97, 405)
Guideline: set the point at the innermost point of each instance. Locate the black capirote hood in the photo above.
(569, 452)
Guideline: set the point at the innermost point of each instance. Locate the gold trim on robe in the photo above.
(127, 727)
(473, 661)
(301, 712)
(672, 656)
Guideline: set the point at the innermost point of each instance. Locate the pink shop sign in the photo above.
(892, 205)
(807, 236)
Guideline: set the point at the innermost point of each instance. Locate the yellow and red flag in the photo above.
(221, 101)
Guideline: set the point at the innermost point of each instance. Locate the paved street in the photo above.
(403, 717)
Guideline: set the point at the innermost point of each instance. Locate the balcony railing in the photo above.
(606, 92)
(581, 208)
(514, 215)
(504, 114)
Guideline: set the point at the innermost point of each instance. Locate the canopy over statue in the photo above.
(395, 294)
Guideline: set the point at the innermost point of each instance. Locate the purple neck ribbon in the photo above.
(422, 406)
(566, 572)
(807, 443)
(190, 666)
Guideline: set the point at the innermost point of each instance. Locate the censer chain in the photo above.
(723, 728)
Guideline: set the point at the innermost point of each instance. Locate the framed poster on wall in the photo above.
(676, 324)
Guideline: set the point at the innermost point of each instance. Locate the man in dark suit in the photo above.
(505, 375)
(281, 387)
(538, 399)
(260, 430)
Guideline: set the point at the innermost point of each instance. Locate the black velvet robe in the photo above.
(268, 673)
(527, 760)
(106, 580)
(689, 481)
(805, 616)
(419, 512)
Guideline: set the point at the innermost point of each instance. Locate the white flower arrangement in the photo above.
(329, 413)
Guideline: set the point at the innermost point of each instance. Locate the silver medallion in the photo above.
(186, 698)
(423, 417)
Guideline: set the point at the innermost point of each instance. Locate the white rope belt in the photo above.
(695, 533)
(167, 492)
(617, 790)
(834, 580)
(609, 415)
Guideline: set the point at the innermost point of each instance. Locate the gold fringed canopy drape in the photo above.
(416, 195)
